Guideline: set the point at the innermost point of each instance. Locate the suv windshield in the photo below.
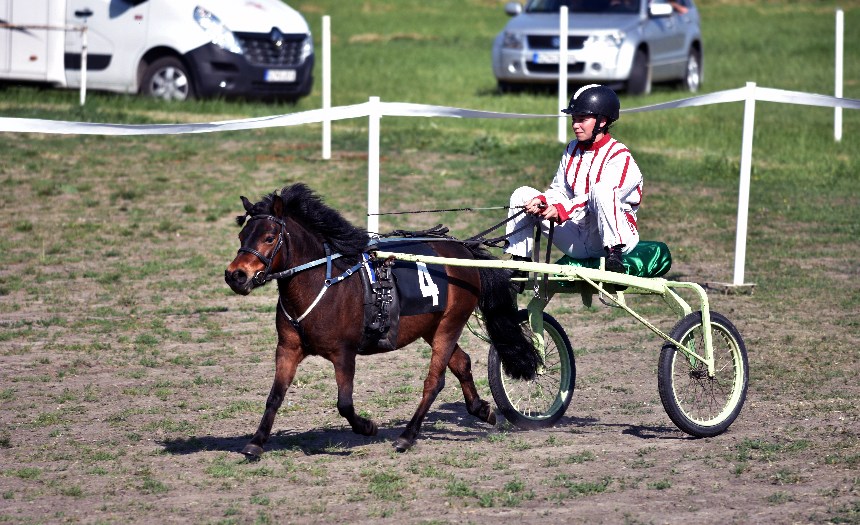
(584, 6)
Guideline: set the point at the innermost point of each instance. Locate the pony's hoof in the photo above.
(402, 444)
(365, 428)
(491, 418)
(252, 451)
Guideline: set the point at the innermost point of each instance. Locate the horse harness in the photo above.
(381, 299)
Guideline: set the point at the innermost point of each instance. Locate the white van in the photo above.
(173, 49)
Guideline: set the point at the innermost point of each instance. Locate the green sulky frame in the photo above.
(702, 390)
(587, 281)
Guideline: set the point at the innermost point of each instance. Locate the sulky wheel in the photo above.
(699, 405)
(542, 401)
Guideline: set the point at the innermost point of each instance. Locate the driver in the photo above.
(595, 194)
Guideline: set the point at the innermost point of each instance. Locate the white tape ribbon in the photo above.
(392, 109)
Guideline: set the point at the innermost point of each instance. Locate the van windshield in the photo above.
(585, 6)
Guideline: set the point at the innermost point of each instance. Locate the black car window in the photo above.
(584, 6)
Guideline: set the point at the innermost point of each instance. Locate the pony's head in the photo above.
(263, 244)
(265, 236)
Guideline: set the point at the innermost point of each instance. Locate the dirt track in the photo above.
(150, 432)
(132, 377)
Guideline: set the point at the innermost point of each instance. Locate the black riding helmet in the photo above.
(596, 100)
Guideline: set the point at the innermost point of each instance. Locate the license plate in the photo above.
(551, 58)
(280, 75)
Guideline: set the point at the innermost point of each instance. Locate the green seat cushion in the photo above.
(647, 259)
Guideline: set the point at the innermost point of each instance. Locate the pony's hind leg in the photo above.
(461, 365)
(344, 373)
(287, 360)
(443, 347)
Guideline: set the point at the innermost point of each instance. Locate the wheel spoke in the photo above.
(702, 398)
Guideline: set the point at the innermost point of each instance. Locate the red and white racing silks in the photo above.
(597, 192)
(608, 163)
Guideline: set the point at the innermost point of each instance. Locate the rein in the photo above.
(479, 237)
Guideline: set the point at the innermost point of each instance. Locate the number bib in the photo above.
(423, 288)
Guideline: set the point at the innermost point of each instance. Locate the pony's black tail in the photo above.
(499, 307)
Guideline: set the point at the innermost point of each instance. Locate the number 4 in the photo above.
(426, 284)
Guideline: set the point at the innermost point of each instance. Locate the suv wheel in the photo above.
(639, 82)
(167, 78)
(693, 77)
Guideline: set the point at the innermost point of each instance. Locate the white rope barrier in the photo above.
(391, 109)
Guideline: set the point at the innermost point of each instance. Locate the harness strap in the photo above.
(302, 267)
(328, 282)
(327, 261)
(266, 260)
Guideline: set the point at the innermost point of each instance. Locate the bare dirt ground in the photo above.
(153, 435)
(131, 378)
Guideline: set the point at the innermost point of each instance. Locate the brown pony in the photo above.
(311, 250)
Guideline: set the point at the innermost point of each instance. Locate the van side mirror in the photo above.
(513, 8)
(657, 10)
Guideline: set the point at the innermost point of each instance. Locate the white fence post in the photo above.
(840, 42)
(562, 71)
(84, 46)
(744, 189)
(326, 86)
(85, 14)
(373, 165)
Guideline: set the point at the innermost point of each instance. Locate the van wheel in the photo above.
(639, 82)
(168, 79)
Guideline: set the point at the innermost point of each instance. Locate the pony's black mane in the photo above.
(305, 207)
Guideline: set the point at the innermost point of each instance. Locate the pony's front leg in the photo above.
(287, 359)
(344, 374)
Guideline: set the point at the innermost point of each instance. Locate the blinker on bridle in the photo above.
(262, 276)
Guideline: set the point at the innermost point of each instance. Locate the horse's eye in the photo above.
(270, 239)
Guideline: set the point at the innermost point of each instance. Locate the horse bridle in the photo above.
(263, 276)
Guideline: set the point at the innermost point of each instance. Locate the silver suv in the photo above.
(621, 43)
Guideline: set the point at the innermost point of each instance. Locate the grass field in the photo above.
(130, 375)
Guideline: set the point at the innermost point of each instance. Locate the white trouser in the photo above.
(603, 221)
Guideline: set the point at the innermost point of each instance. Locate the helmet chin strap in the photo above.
(596, 131)
(586, 144)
